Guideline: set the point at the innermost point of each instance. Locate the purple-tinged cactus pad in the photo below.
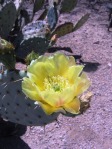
(17, 108)
(7, 18)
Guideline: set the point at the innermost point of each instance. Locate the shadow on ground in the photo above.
(10, 135)
(13, 143)
(90, 66)
(55, 49)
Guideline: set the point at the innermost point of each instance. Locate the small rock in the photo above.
(20, 66)
(109, 64)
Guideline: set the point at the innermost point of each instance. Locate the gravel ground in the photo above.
(93, 129)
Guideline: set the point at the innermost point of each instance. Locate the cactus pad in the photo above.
(52, 17)
(5, 46)
(81, 22)
(7, 18)
(37, 28)
(8, 60)
(15, 107)
(36, 44)
(7, 54)
(68, 5)
(30, 57)
(63, 29)
(32, 38)
(38, 5)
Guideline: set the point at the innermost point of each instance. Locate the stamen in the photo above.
(56, 83)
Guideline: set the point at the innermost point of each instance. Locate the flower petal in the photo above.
(38, 71)
(73, 107)
(50, 97)
(73, 72)
(58, 99)
(72, 61)
(61, 63)
(30, 90)
(49, 109)
(82, 84)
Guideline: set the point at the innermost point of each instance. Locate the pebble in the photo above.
(109, 64)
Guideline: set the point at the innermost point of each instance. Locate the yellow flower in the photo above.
(55, 82)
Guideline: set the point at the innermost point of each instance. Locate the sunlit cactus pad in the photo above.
(15, 107)
(37, 28)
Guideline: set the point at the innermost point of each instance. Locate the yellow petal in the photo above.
(38, 71)
(73, 107)
(73, 72)
(30, 89)
(58, 99)
(50, 97)
(82, 84)
(49, 109)
(61, 63)
(42, 58)
(72, 61)
(68, 94)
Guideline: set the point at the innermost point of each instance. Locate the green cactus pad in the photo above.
(30, 57)
(81, 22)
(37, 44)
(7, 18)
(63, 29)
(68, 5)
(1, 2)
(38, 5)
(5, 46)
(8, 60)
(52, 17)
(7, 54)
(15, 107)
(33, 37)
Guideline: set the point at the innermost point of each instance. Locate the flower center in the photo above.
(56, 83)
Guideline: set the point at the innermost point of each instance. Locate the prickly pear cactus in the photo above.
(36, 36)
(7, 56)
(33, 37)
(63, 29)
(37, 44)
(52, 17)
(37, 28)
(69, 27)
(7, 18)
(17, 108)
(68, 5)
(38, 5)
